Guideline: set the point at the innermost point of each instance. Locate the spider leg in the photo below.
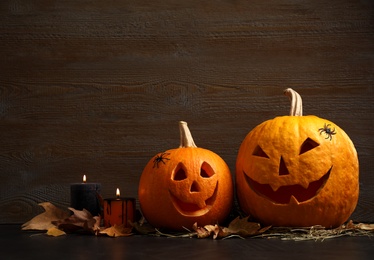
(164, 158)
(156, 161)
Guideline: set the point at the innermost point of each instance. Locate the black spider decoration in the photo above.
(329, 133)
(160, 158)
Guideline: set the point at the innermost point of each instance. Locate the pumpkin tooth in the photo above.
(293, 201)
(275, 186)
(304, 184)
(201, 204)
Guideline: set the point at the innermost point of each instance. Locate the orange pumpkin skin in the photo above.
(191, 185)
(290, 173)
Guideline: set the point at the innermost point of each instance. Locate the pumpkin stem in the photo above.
(296, 102)
(185, 136)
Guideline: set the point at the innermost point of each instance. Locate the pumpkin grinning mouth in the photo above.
(284, 193)
(192, 209)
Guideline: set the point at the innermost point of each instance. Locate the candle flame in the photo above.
(118, 193)
(84, 179)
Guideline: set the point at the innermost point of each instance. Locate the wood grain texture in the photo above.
(98, 87)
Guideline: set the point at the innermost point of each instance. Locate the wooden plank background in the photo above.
(98, 87)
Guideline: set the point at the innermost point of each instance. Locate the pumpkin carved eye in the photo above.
(308, 145)
(179, 173)
(260, 152)
(206, 171)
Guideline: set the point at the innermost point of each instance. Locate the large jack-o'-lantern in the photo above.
(297, 171)
(185, 185)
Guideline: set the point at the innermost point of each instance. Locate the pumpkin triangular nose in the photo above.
(195, 187)
(283, 168)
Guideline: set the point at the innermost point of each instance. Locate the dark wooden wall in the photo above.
(98, 87)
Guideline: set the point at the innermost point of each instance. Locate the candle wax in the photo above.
(118, 211)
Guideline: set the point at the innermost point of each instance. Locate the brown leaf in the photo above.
(201, 231)
(215, 230)
(55, 232)
(363, 226)
(96, 226)
(80, 220)
(117, 231)
(81, 214)
(44, 220)
(143, 228)
(243, 228)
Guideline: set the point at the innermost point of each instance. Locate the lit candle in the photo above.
(118, 211)
(86, 196)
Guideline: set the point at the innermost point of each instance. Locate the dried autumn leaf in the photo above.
(208, 230)
(80, 220)
(239, 227)
(215, 230)
(363, 226)
(44, 220)
(117, 231)
(201, 231)
(143, 228)
(81, 214)
(96, 226)
(55, 232)
(244, 228)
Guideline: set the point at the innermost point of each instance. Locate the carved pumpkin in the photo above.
(297, 171)
(185, 185)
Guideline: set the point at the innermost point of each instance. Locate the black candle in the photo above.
(86, 196)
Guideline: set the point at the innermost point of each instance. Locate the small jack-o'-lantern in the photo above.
(297, 171)
(185, 185)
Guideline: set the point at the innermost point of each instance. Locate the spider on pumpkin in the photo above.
(160, 158)
(327, 131)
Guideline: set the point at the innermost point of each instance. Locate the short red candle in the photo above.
(119, 211)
